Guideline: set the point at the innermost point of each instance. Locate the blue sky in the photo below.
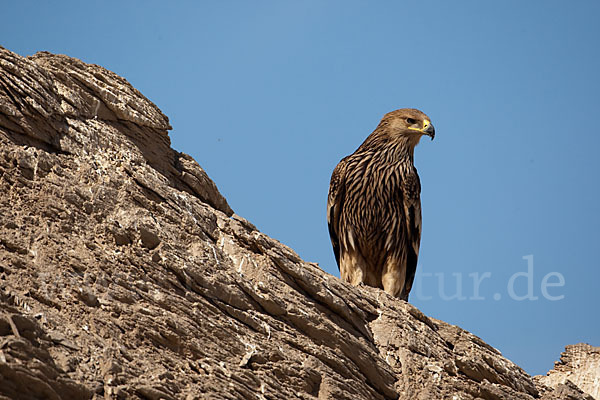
(269, 95)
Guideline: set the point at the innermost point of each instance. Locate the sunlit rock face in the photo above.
(580, 365)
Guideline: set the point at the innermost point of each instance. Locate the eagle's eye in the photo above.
(410, 121)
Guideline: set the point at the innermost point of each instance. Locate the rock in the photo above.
(579, 367)
(88, 297)
(27, 370)
(149, 239)
(125, 273)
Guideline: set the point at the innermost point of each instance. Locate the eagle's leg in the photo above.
(393, 277)
(353, 267)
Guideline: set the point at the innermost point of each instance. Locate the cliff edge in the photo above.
(124, 273)
(579, 365)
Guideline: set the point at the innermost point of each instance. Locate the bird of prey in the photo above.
(374, 205)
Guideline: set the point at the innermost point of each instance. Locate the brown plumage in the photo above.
(374, 206)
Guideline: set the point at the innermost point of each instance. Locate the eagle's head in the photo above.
(408, 123)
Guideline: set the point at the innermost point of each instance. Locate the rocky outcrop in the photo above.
(579, 365)
(125, 274)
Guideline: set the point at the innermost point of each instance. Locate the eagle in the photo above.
(374, 205)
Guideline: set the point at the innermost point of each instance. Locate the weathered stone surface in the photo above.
(579, 366)
(125, 274)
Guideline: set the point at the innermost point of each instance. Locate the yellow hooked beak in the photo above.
(427, 129)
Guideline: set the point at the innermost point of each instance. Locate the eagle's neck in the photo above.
(392, 150)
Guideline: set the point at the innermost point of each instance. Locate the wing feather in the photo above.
(335, 203)
(413, 230)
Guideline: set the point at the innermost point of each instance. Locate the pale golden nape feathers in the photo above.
(374, 206)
